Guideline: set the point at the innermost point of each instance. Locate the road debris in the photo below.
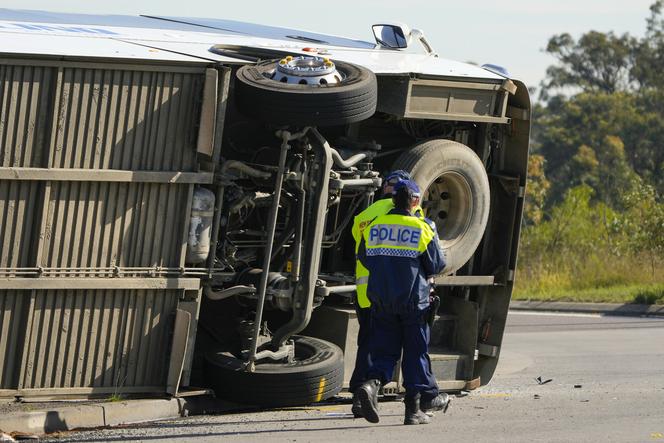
(542, 382)
(578, 386)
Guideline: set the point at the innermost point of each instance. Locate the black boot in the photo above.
(439, 403)
(368, 395)
(356, 409)
(414, 416)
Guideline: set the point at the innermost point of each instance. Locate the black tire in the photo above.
(455, 194)
(352, 100)
(316, 374)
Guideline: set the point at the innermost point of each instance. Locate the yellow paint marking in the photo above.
(497, 395)
(657, 435)
(321, 388)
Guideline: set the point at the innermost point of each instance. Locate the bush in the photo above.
(586, 251)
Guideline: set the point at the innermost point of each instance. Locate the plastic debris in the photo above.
(578, 386)
(542, 382)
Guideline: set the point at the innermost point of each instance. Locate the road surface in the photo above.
(607, 384)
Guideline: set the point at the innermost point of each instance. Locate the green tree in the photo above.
(586, 163)
(643, 222)
(649, 51)
(603, 88)
(536, 191)
(588, 138)
(597, 62)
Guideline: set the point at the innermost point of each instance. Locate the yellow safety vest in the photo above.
(360, 222)
(397, 235)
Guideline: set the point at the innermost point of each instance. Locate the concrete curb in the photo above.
(634, 310)
(67, 418)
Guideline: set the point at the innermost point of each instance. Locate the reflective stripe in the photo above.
(361, 283)
(392, 252)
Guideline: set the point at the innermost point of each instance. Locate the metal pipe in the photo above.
(349, 162)
(297, 244)
(242, 167)
(324, 291)
(356, 182)
(229, 292)
(303, 297)
(282, 242)
(282, 353)
(272, 225)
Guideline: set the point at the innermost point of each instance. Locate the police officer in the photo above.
(401, 251)
(362, 304)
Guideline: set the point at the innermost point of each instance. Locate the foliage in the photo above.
(604, 91)
(597, 62)
(538, 186)
(594, 212)
(594, 139)
(586, 251)
(648, 53)
(606, 63)
(643, 220)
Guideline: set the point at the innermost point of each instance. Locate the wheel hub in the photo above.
(447, 203)
(307, 70)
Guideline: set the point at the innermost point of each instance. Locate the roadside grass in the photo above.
(594, 279)
(643, 294)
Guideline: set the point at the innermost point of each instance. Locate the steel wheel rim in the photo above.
(448, 202)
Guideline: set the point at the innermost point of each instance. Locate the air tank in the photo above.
(200, 226)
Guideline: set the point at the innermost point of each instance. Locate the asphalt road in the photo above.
(607, 384)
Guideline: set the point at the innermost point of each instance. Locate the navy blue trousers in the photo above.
(362, 359)
(391, 334)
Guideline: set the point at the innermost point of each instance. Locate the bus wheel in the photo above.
(455, 194)
(306, 91)
(316, 374)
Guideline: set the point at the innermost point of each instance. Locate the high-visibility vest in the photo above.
(393, 248)
(360, 222)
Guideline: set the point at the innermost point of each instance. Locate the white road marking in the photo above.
(560, 314)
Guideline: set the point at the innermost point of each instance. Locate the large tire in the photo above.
(455, 195)
(352, 100)
(316, 374)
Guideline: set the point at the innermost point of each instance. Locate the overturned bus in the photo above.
(176, 197)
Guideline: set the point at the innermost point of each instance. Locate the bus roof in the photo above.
(182, 39)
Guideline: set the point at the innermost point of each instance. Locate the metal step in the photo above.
(447, 364)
